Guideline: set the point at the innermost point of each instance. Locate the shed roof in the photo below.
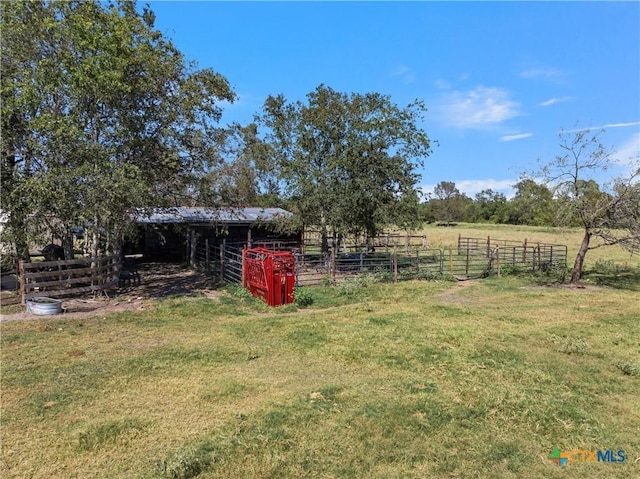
(191, 215)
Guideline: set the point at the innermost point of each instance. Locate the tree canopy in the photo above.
(346, 162)
(100, 114)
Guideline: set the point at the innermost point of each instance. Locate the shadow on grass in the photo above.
(626, 279)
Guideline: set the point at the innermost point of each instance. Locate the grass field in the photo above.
(572, 237)
(421, 379)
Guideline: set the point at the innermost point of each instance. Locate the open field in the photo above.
(479, 379)
(572, 237)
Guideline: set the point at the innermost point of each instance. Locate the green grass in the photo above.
(420, 379)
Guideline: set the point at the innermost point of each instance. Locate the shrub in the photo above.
(302, 297)
(629, 368)
(186, 464)
(511, 269)
(351, 286)
(569, 345)
(239, 291)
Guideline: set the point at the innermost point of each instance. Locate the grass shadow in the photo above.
(620, 278)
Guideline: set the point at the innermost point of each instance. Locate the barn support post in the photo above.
(222, 248)
(192, 247)
(207, 268)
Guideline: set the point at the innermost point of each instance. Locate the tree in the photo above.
(101, 114)
(449, 203)
(247, 175)
(490, 206)
(531, 205)
(580, 200)
(346, 161)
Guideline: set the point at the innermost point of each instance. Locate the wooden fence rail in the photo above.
(68, 277)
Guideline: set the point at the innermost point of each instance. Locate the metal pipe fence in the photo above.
(470, 258)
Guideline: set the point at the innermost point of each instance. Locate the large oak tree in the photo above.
(100, 114)
(346, 162)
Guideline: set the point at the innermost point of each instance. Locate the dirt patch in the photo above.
(451, 295)
(157, 280)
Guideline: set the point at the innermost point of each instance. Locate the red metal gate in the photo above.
(269, 275)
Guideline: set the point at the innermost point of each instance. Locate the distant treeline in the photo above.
(533, 204)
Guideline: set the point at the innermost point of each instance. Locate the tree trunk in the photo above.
(324, 248)
(579, 262)
(18, 227)
(67, 243)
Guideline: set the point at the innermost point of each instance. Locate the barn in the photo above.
(176, 234)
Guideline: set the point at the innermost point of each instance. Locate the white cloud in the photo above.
(555, 100)
(518, 136)
(404, 73)
(628, 153)
(604, 127)
(478, 108)
(550, 74)
(472, 187)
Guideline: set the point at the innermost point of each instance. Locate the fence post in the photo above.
(466, 262)
(498, 260)
(333, 265)
(23, 283)
(488, 246)
(395, 265)
(459, 239)
(243, 276)
(450, 260)
(424, 242)
(524, 251)
(222, 248)
(406, 244)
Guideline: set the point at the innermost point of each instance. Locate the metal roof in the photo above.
(183, 214)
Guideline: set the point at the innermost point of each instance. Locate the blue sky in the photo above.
(500, 79)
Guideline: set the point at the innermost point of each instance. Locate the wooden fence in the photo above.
(68, 277)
